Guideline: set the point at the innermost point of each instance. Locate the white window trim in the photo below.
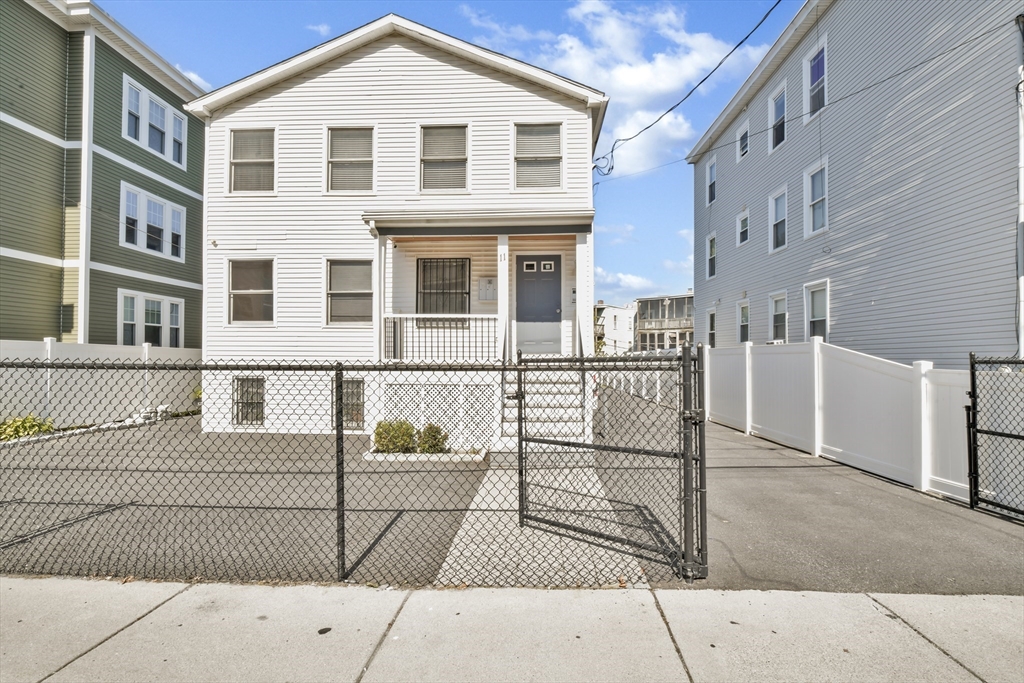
(227, 292)
(326, 271)
(772, 298)
(707, 255)
(420, 125)
(140, 317)
(808, 217)
(806, 68)
(563, 124)
(745, 128)
(144, 96)
(707, 180)
(739, 217)
(739, 319)
(771, 117)
(227, 162)
(812, 287)
(141, 228)
(707, 327)
(771, 219)
(326, 166)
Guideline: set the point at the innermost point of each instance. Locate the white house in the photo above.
(863, 186)
(396, 193)
(614, 326)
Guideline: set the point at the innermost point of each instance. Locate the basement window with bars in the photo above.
(349, 292)
(538, 156)
(352, 404)
(442, 286)
(443, 158)
(248, 400)
(252, 160)
(350, 159)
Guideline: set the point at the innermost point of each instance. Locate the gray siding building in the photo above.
(101, 182)
(862, 185)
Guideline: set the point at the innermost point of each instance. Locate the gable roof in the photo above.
(385, 26)
(780, 50)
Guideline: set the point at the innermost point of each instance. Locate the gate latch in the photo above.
(515, 396)
(699, 415)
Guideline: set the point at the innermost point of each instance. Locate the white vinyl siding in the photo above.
(443, 158)
(151, 123)
(149, 319)
(350, 159)
(151, 224)
(538, 156)
(252, 161)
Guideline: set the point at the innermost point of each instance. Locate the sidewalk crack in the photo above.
(671, 635)
(383, 637)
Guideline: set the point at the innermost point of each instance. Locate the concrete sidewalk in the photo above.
(61, 629)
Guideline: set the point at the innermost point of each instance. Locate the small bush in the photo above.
(30, 425)
(398, 436)
(433, 440)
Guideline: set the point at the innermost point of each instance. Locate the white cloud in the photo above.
(501, 37)
(622, 287)
(194, 77)
(620, 234)
(323, 29)
(685, 266)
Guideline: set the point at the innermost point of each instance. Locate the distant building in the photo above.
(663, 322)
(614, 326)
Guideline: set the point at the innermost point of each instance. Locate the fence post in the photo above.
(147, 402)
(817, 437)
(339, 468)
(748, 387)
(49, 348)
(921, 423)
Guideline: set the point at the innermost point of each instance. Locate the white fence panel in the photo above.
(782, 379)
(867, 416)
(727, 395)
(947, 396)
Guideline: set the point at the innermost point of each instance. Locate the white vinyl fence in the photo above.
(905, 423)
(90, 397)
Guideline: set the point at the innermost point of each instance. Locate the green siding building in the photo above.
(101, 183)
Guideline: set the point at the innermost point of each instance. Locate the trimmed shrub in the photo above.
(30, 425)
(398, 436)
(433, 440)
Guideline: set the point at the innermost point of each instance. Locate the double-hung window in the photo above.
(743, 141)
(442, 286)
(150, 319)
(744, 322)
(149, 121)
(778, 118)
(712, 256)
(816, 301)
(350, 159)
(742, 228)
(349, 292)
(816, 198)
(443, 158)
(711, 173)
(538, 156)
(163, 233)
(814, 81)
(252, 160)
(778, 313)
(251, 291)
(777, 211)
(711, 329)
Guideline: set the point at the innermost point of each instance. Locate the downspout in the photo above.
(1020, 188)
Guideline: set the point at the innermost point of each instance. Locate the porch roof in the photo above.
(481, 222)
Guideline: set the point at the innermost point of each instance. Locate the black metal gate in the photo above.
(611, 453)
(995, 423)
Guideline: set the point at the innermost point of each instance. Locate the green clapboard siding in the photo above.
(106, 223)
(33, 67)
(31, 192)
(76, 42)
(103, 306)
(110, 70)
(29, 299)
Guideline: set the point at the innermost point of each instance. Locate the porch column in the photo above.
(379, 295)
(503, 318)
(585, 292)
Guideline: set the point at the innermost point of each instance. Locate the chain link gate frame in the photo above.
(995, 435)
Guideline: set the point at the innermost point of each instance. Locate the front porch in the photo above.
(482, 297)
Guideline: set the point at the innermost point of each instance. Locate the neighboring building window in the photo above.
(538, 156)
(711, 329)
(251, 290)
(777, 207)
(147, 114)
(816, 199)
(252, 160)
(442, 286)
(350, 159)
(817, 306)
(744, 323)
(443, 158)
(352, 403)
(779, 317)
(160, 214)
(815, 75)
(149, 319)
(743, 141)
(742, 228)
(248, 400)
(711, 181)
(779, 119)
(349, 291)
(712, 256)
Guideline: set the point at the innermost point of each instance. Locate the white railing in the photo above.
(441, 337)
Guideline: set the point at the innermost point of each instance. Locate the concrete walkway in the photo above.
(62, 629)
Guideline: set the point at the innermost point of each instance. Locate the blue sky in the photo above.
(645, 55)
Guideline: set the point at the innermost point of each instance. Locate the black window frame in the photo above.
(245, 410)
(444, 262)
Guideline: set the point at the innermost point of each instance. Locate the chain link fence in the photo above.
(996, 435)
(572, 472)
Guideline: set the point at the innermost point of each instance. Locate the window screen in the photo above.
(350, 159)
(779, 319)
(252, 161)
(349, 291)
(443, 158)
(538, 156)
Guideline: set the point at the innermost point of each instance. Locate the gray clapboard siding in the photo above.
(31, 194)
(31, 297)
(920, 254)
(33, 61)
